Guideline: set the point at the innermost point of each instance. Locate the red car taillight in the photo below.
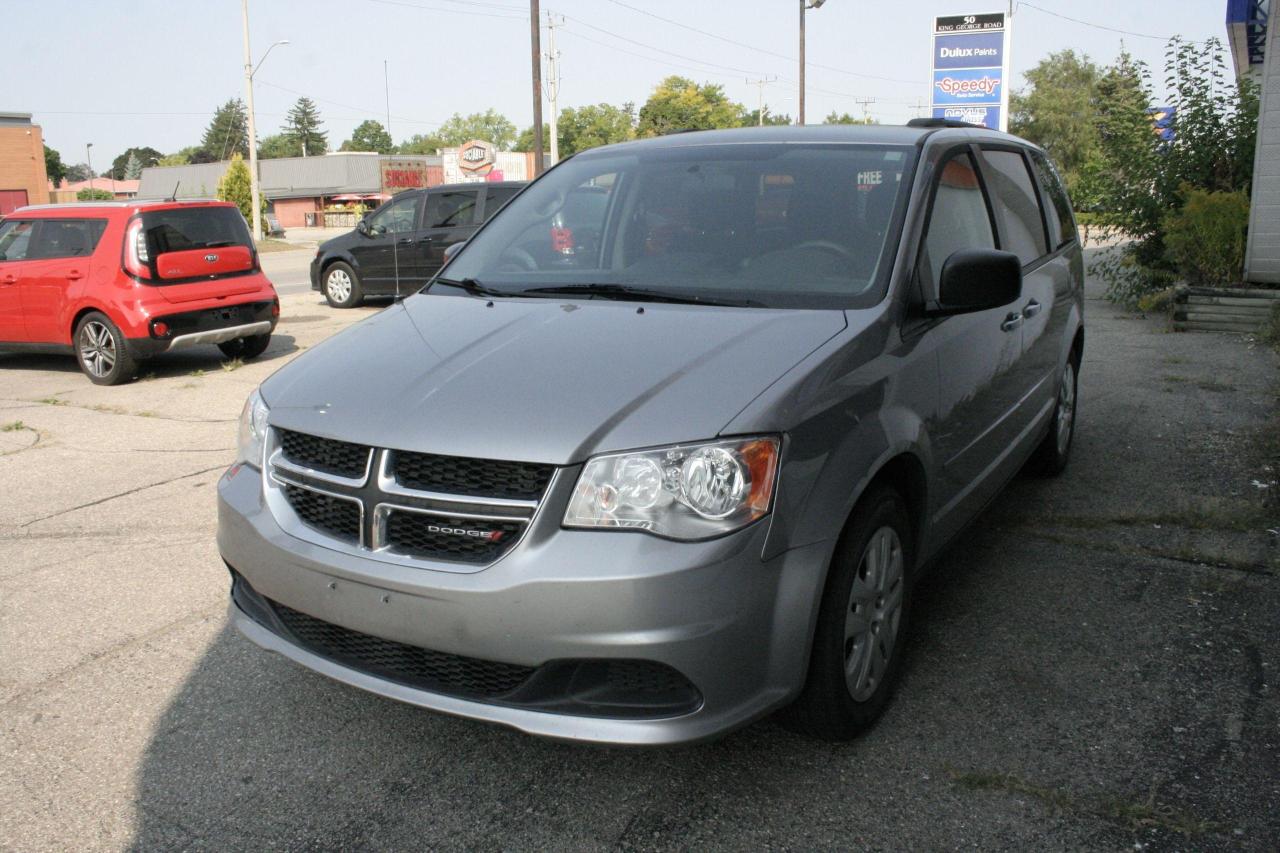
(137, 260)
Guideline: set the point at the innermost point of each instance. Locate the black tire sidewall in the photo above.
(353, 299)
(250, 347)
(1051, 461)
(125, 368)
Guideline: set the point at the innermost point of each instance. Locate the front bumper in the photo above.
(736, 627)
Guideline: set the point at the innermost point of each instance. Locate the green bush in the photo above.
(1205, 238)
(91, 194)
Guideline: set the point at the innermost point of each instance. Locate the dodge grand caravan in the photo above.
(119, 282)
(650, 471)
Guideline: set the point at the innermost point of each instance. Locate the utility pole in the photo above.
(866, 113)
(553, 85)
(920, 107)
(760, 84)
(535, 34)
(254, 203)
(386, 90)
(804, 4)
(88, 159)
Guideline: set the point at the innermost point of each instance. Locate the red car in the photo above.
(116, 283)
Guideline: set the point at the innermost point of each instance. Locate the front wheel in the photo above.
(250, 347)
(861, 623)
(103, 352)
(341, 286)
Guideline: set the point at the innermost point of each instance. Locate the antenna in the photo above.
(173, 196)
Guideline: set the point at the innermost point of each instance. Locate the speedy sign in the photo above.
(970, 68)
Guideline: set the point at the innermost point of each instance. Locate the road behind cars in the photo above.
(1093, 665)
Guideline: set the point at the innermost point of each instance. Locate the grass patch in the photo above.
(147, 414)
(1208, 514)
(267, 245)
(1174, 359)
(197, 373)
(1146, 814)
(233, 364)
(109, 410)
(13, 426)
(52, 401)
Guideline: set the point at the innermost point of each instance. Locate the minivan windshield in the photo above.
(760, 224)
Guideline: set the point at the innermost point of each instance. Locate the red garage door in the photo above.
(11, 200)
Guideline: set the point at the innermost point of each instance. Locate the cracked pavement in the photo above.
(1093, 665)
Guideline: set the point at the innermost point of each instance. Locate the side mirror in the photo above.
(453, 249)
(362, 227)
(976, 280)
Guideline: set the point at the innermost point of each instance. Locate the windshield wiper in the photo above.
(635, 294)
(472, 286)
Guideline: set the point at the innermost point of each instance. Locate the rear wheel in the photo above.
(341, 286)
(1054, 451)
(102, 351)
(861, 622)
(250, 347)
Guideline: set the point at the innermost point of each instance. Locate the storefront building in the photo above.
(22, 175)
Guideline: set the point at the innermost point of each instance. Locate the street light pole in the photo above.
(88, 159)
(249, 70)
(804, 4)
(535, 27)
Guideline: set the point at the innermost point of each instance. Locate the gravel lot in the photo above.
(1094, 665)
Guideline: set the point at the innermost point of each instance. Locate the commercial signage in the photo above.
(477, 156)
(400, 175)
(971, 69)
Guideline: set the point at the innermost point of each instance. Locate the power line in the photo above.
(455, 11)
(1095, 26)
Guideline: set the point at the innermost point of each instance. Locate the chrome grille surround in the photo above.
(380, 495)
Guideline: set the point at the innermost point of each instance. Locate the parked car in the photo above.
(667, 445)
(395, 249)
(118, 282)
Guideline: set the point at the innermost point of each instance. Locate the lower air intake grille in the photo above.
(335, 516)
(423, 668)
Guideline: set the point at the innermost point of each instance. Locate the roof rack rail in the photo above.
(945, 122)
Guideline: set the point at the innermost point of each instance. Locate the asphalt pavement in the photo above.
(1093, 665)
(289, 270)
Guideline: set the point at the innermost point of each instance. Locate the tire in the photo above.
(246, 348)
(1051, 456)
(855, 662)
(102, 351)
(341, 286)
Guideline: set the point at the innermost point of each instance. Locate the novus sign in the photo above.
(971, 69)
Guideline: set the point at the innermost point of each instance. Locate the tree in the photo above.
(184, 156)
(421, 144)
(594, 125)
(524, 142)
(489, 125)
(752, 119)
(302, 127)
(278, 145)
(228, 132)
(79, 172)
(234, 187)
(133, 168)
(1057, 111)
(845, 118)
(369, 135)
(146, 157)
(53, 166)
(92, 194)
(681, 104)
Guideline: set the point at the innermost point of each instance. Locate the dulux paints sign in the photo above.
(971, 68)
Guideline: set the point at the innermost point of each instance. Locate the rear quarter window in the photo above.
(1062, 222)
(66, 238)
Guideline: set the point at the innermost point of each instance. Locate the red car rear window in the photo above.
(186, 228)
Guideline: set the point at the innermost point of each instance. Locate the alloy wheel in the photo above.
(1066, 407)
(97, 348)
(873, 613)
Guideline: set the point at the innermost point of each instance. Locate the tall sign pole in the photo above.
(253, 136)
(971, 69)
(535, 26)
(553, 86)
(800, 119)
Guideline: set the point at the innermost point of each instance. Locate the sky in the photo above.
(151, 72)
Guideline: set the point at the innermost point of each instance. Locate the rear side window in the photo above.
(960, 218)
(15, 239)
(1018, 201)
(1062, 224)
(451, 209)
(66, 238)
(496, 198)
(183, 229)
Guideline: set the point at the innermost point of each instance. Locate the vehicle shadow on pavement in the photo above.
(205, 358)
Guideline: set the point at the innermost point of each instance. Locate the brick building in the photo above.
(22, 175)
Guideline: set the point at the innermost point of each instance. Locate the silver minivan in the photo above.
(665, 447)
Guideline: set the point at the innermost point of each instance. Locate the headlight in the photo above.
(253, 431)
(690, 491)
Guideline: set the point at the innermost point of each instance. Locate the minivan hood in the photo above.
(540, 380)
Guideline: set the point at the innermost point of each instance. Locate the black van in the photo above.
(395, 249)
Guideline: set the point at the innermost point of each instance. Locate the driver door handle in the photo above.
(1011, 322)
(1032, 309)
(9, 279)
(75, 275)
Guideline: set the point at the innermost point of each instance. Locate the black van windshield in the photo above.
(776, 225)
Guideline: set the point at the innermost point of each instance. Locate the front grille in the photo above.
(430, 670)
(486, 478)
(335, 516)
(644, 677)
(324, 454)
(441, 537)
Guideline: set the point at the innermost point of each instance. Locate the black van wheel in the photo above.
(341, 286)
(250, 347)
(862, 622)
(102, 351)
(1050, 458)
